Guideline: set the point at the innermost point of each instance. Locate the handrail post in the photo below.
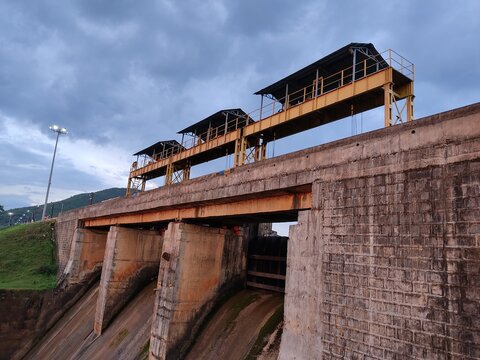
(286, 97)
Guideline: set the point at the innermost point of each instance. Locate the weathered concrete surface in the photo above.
(388, 265)
(132, 258)
(301, 168)
(64, 231)
(375, 295)
(198, 263)
(128, 334)
(69, 333)
(86, 253)
(25, 316)
(72, 336)
(232, 330)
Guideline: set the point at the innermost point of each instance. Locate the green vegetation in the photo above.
(144, 351)
(26, 214)
(27, 256)
(267, 329)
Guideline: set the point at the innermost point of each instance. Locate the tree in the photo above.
(1, 209)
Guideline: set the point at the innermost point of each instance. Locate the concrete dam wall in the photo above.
(383, 263)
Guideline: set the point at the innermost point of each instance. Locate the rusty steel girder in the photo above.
(260, 205)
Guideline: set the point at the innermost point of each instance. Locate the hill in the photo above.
(29, 213)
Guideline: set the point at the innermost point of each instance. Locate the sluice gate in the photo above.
(267, 263)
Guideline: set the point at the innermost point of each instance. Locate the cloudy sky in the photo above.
(121, 75)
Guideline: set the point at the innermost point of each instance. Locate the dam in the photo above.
(383, 261)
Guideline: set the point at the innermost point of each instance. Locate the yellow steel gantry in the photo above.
(349, 81)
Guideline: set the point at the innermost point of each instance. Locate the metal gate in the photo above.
(267, 263)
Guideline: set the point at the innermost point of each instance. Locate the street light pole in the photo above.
(59, 130)
(10, 214)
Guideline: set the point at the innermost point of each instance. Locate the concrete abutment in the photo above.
(132, 258)
(387, 265)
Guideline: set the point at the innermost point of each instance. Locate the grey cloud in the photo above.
(131, 73)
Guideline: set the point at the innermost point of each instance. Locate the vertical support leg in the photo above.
(169, 174)
(240, 147)
(129, 188)
(243, 151)
(388, 93)
(186, 172)
(409, 108)
(263, 150)
(143, 184)
(236, 153)
(258, 151)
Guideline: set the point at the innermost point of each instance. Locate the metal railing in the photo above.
(319, 87)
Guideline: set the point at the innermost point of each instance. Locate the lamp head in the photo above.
(58, 129)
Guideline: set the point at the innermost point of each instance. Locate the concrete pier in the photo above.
(131, 259)
(197, 264)
(86, 253)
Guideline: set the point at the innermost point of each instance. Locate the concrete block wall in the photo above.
(64, 230)
(387, 267)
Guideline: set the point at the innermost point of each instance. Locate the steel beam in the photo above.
(261, 205)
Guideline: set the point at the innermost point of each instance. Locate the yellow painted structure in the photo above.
(265, 205)
(363, 86)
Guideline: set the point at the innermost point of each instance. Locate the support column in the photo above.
(198, 265)
(186, 172)
(131, 260)
(410, 108)
(86, 254)
(169, 174)
(388, 100)
(240, 149)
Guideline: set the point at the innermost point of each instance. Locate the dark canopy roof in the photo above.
(216, 120)
(158, 147)
(329, 65)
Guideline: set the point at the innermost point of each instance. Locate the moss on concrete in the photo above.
(243, 301)
(267, 329)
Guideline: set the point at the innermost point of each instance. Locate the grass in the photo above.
(27, 257)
